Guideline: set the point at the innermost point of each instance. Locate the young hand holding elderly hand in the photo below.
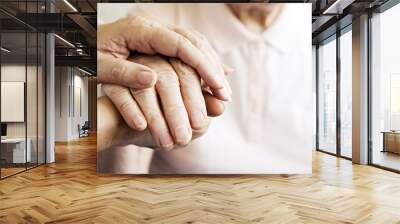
(176, 107)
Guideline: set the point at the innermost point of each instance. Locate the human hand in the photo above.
(183, 107)
(116, 41)
(114, 132)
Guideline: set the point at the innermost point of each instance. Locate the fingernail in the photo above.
(166, 141)
(198, 119)
(182, 134)
(228, 69)
(146, 77)
(225, 94)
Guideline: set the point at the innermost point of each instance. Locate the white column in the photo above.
(360, 90)
(50, 99)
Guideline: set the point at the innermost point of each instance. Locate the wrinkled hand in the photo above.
(174, 110)
(116, 41)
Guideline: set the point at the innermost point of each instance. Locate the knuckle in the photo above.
(201, 130)
(175, 109)
(168, 78)
(182, 68)
(114, 91)
(183, 41)
(119, 69)
(142, 92)
(154, 119)
(125, 105)
(200, 39)
(190, 80)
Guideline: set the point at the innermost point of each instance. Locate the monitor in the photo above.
(3, 129)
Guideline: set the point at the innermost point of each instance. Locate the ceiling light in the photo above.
(5, 50)
(70, 5)
(337, 7)
(65, 41)
(84, 71)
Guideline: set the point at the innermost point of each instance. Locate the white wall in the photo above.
(67, 115)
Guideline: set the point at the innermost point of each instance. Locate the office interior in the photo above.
(48, 102)
(48, 82)
(356, 67)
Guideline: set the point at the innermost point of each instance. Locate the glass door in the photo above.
(22, 77)
(327, 96)
(346, 93)
(385, 89)
(13, 104)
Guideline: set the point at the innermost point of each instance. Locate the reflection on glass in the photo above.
(41, 98)
(22, 90)
(327, 97)
(346, 94)
(386, 89)
(31, 100)
(14, 153)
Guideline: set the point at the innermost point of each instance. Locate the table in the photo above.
(391, 141)
(13, 150)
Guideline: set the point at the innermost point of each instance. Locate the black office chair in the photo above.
(84, 130)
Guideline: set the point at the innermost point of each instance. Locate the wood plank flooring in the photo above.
(70, 191)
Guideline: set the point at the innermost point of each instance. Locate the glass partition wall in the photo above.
(22, 93)
(327, 96)
(385, 89)
(334, 81)
(345, 62)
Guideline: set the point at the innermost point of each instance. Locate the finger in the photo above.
(203, 45)
(126, 105)
(158, 39)
(168, 88)
(191, 94)
(215, 107)
(122, 72)
(148, 102)
(227, 69)
(170, 96)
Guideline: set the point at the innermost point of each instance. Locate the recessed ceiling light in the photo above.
(5, 50)
(84, 71)
(65, 41)
(70, 5)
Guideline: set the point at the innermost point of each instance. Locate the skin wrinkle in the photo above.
(119, 70)
(202, 44)
(152, 36)
(187, 80)
(145, 43)
(179, 47)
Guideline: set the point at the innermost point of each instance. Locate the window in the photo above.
(385, 89)
(346, 93)
(22, 86)
(327, 97)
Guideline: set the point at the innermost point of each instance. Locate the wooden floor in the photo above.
(387, 159)
(70, 191)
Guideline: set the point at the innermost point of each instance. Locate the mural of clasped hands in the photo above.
(164, 81)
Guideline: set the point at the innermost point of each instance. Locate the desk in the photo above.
(13, 150)
(391, 142)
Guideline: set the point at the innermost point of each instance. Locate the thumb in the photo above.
(122, 72)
